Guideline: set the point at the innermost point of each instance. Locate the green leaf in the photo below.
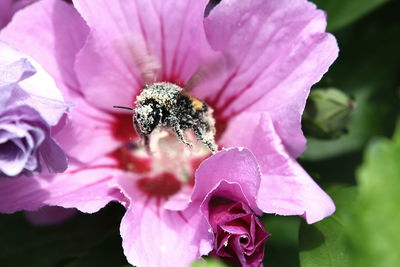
(282, 246)
(344, 12)
(325, 243)
(374, 227)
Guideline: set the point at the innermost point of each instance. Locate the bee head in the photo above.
(147, 117)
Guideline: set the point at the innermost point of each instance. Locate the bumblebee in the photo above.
(165, 104)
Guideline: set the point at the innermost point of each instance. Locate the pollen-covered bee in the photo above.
(165, 104)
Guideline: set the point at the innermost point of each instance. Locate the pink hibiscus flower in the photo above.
(101, 53)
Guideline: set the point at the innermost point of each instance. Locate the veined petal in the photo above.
(285, 189)
(89, 133)
(51, 32)
(137, 42)
(294, 193)
(279, 49)
(154, 236)
(87, 188)
(163, 238)
(234, 166)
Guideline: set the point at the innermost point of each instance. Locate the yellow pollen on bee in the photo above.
(197, 104)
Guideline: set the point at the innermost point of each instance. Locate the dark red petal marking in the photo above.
(161, 186)
(123, 128)
(220, 124)
(97, 182)
(128, 161)
(214, 101)
(183, 216)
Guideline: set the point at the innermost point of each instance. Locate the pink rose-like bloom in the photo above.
(101, 53)
(225, 193)
(239, 234)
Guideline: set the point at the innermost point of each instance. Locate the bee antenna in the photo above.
(122, 107)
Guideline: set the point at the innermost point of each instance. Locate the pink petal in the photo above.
(280, 49)
(138, 42)
(51, 32)
(5, 12)
(14, 67)
(294, 193)
(89, 133)
(226, 190)
(234, 166)
(285, 189)
(9, 7)
(86, 188)
(179, 201)
(24, 82)
(154, 236)
(41, 93)
(53, 156)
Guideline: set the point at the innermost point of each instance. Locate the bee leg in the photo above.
(174, 124)
(179, 132)
(146, 140)
(206, 140)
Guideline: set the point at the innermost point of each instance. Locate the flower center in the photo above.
(166, 167)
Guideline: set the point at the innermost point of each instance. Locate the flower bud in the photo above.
(327, 113)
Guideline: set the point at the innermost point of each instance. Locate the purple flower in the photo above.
(102, 53)
(25, 135)
(25, 141)
(239, 235)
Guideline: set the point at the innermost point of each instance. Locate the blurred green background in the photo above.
(359, 169)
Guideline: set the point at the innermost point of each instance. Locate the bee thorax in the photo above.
(165, 104)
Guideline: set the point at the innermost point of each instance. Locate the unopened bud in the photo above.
(327, 113)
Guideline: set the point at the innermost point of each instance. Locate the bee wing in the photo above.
(208, 71)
